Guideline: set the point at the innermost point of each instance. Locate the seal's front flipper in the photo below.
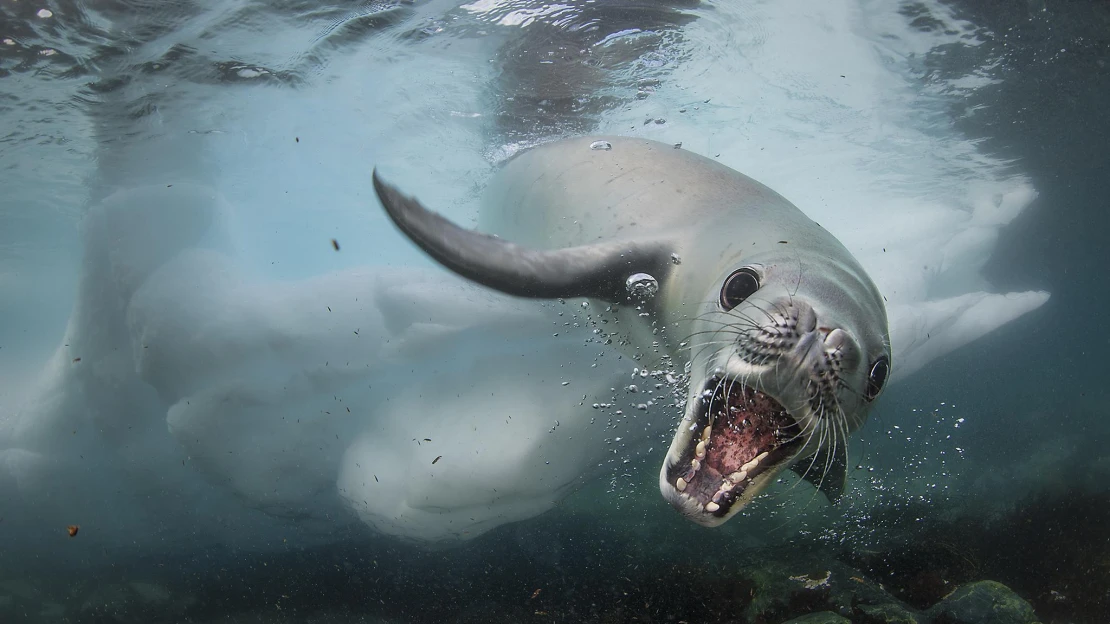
(926, 331)
(827, 470)
(600, 270)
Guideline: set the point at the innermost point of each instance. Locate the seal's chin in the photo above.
(731, 445)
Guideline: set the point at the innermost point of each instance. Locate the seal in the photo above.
(781, 335)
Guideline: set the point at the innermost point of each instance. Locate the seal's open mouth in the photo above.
(739, 440)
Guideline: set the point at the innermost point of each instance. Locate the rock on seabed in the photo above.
(983, 602)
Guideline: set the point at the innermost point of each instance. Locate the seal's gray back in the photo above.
(565, 194)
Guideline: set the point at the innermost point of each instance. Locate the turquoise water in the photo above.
(221, 362)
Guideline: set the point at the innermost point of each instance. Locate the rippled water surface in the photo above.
(231, 390)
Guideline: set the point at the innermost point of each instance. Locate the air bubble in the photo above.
(601, 145)
(641, 286)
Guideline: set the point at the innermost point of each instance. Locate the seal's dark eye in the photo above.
(875, 380)
(739, 286)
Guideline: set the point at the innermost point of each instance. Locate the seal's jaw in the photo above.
(732, 444)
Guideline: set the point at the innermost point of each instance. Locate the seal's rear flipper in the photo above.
(599, 270)
(923, 332)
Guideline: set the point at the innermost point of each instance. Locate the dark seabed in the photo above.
(192, 405)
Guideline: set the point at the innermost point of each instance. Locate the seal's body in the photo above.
(783, 333)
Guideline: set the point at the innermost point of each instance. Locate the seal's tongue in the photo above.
(749, 425)
(740, 439)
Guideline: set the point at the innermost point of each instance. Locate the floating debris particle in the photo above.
(437, 459)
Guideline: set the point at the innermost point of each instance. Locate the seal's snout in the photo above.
(788, 327)
(814, 353)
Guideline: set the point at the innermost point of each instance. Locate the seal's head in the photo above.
(787, 353)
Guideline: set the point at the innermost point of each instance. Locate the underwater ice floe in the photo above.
(188, 392)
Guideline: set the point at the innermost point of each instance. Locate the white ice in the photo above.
(183, 380)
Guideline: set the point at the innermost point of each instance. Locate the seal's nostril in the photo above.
(807, 318)
(835, 339)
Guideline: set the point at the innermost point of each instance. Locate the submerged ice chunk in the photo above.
(192, 398)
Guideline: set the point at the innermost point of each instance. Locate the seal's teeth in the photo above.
(695, 465)
(748, 467)
(680, 484)
(711, 507)
(737, 477)
(699, 450)
(705, 433)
